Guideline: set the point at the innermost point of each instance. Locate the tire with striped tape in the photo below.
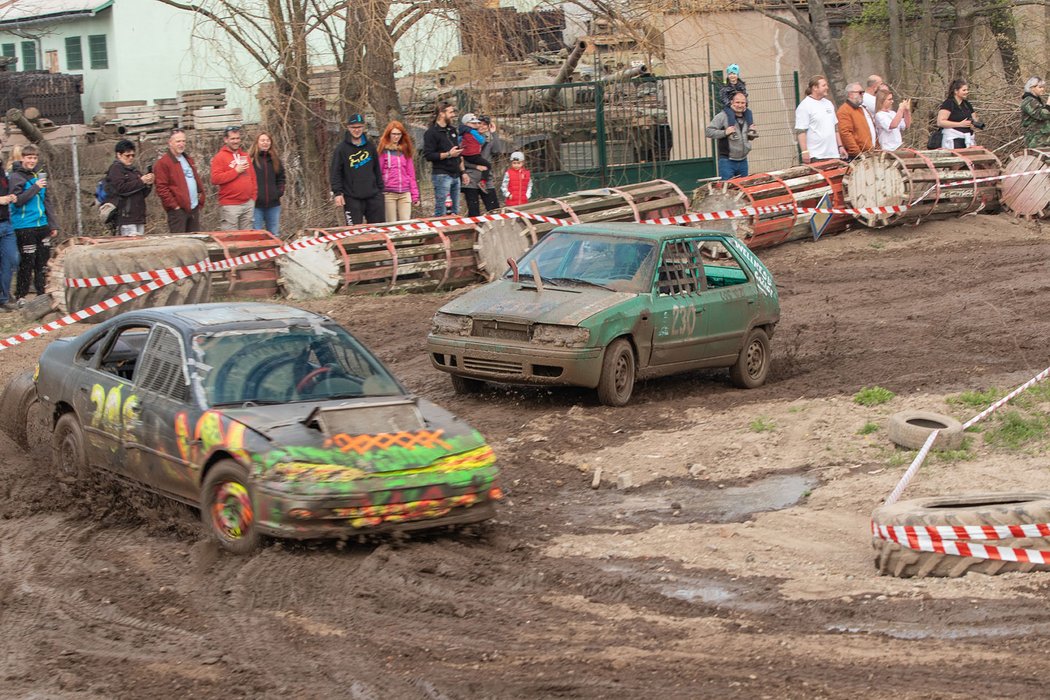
(126, 256)
(893, 559)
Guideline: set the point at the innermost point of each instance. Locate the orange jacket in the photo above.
(853, 129)
(234, 187)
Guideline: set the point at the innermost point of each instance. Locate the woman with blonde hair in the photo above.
(889, 123)
(269, 176)
(400, 190)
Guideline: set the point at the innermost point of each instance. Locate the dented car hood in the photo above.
(564, 304)
(299, 443)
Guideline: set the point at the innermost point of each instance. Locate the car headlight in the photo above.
(450, 324)
(560, 336)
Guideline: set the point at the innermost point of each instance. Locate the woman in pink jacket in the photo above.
(400, 190)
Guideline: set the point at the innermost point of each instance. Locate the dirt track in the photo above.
(740, 566)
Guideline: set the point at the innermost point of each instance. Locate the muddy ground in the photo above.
(739, 565)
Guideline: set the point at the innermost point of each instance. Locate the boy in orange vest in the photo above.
(517, 182)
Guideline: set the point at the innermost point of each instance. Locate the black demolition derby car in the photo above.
(273, 420)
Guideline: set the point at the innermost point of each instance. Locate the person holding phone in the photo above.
(129, 188)
(33, 220)
(442, 148)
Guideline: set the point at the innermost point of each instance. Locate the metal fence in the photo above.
(610, 132)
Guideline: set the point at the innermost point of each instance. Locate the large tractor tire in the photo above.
(124, 257)
(983, 509)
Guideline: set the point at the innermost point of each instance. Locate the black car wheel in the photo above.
(227, 507)
(67, 448)
(752, 366)
(466, 385)
(17, 401)
(617, 381)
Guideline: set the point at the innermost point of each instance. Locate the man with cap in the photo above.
(357, 181)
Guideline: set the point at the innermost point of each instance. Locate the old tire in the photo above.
(911, 429)
(228, 507)
(981, 509)
(752, 366)
(465, 385)
(616, 383)
(68, 453)
(123, 257)
(15, 403)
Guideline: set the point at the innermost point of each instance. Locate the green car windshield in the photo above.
(616, 263)
(284, 365)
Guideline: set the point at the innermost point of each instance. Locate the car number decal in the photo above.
(683, 319)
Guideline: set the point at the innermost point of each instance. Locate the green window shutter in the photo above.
(74, 53)
(29, 55)
(9, 50)
(97, 51)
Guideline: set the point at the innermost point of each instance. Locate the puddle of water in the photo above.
(692, 589)
(697, 503)
(926, 632)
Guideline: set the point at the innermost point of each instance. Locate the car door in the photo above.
(678, 317)
(165, 412)
(730, 300)
(102, 398)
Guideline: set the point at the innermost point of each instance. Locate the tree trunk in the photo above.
(896, 42)
(827, 48)
(1001, 21)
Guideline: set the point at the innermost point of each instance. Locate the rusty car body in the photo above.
(600, 305)
(273, 420)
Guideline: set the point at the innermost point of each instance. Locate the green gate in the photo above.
(601, 133)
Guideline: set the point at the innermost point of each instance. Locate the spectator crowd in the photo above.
(376, 182)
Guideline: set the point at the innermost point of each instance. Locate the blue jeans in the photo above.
(728, 169)
(9, 259)
(269, 219)
(445, 186)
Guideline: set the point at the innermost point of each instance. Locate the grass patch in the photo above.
(868, 428)
(1016, 430)
(762, 424)
(872, 396)
(877, 245)
(963, 454)
(976, 399)
(898, 458)
(798, 409)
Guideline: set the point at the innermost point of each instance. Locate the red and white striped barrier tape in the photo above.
(947, 539)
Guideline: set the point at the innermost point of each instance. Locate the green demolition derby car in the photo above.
(272, 420)
(600, 305)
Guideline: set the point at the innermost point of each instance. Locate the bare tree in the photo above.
(814, 26)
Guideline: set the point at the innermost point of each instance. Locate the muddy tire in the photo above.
(752, 366)
(618, 371)
(122, 257)
(892, 559)
(910, 429)
(466, 386)
(15, 403)
(68, 453)
(228, 508)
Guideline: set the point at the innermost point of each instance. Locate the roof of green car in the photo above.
(653, 232)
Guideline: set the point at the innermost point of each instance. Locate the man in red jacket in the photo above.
(232, 172)
(179, 186)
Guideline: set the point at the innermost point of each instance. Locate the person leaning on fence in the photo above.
(233, 174)
(269, 179)
(128, 187)
(816, 125)
(8, 242)
(179, 186)
(729, 127)
(397, 161)
(479, 187)
(356, 178)
(33, 220)
(441, 147)
(1035, 115)
(890, 124)
(734, 84)
(956, 117)
(856, 128)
